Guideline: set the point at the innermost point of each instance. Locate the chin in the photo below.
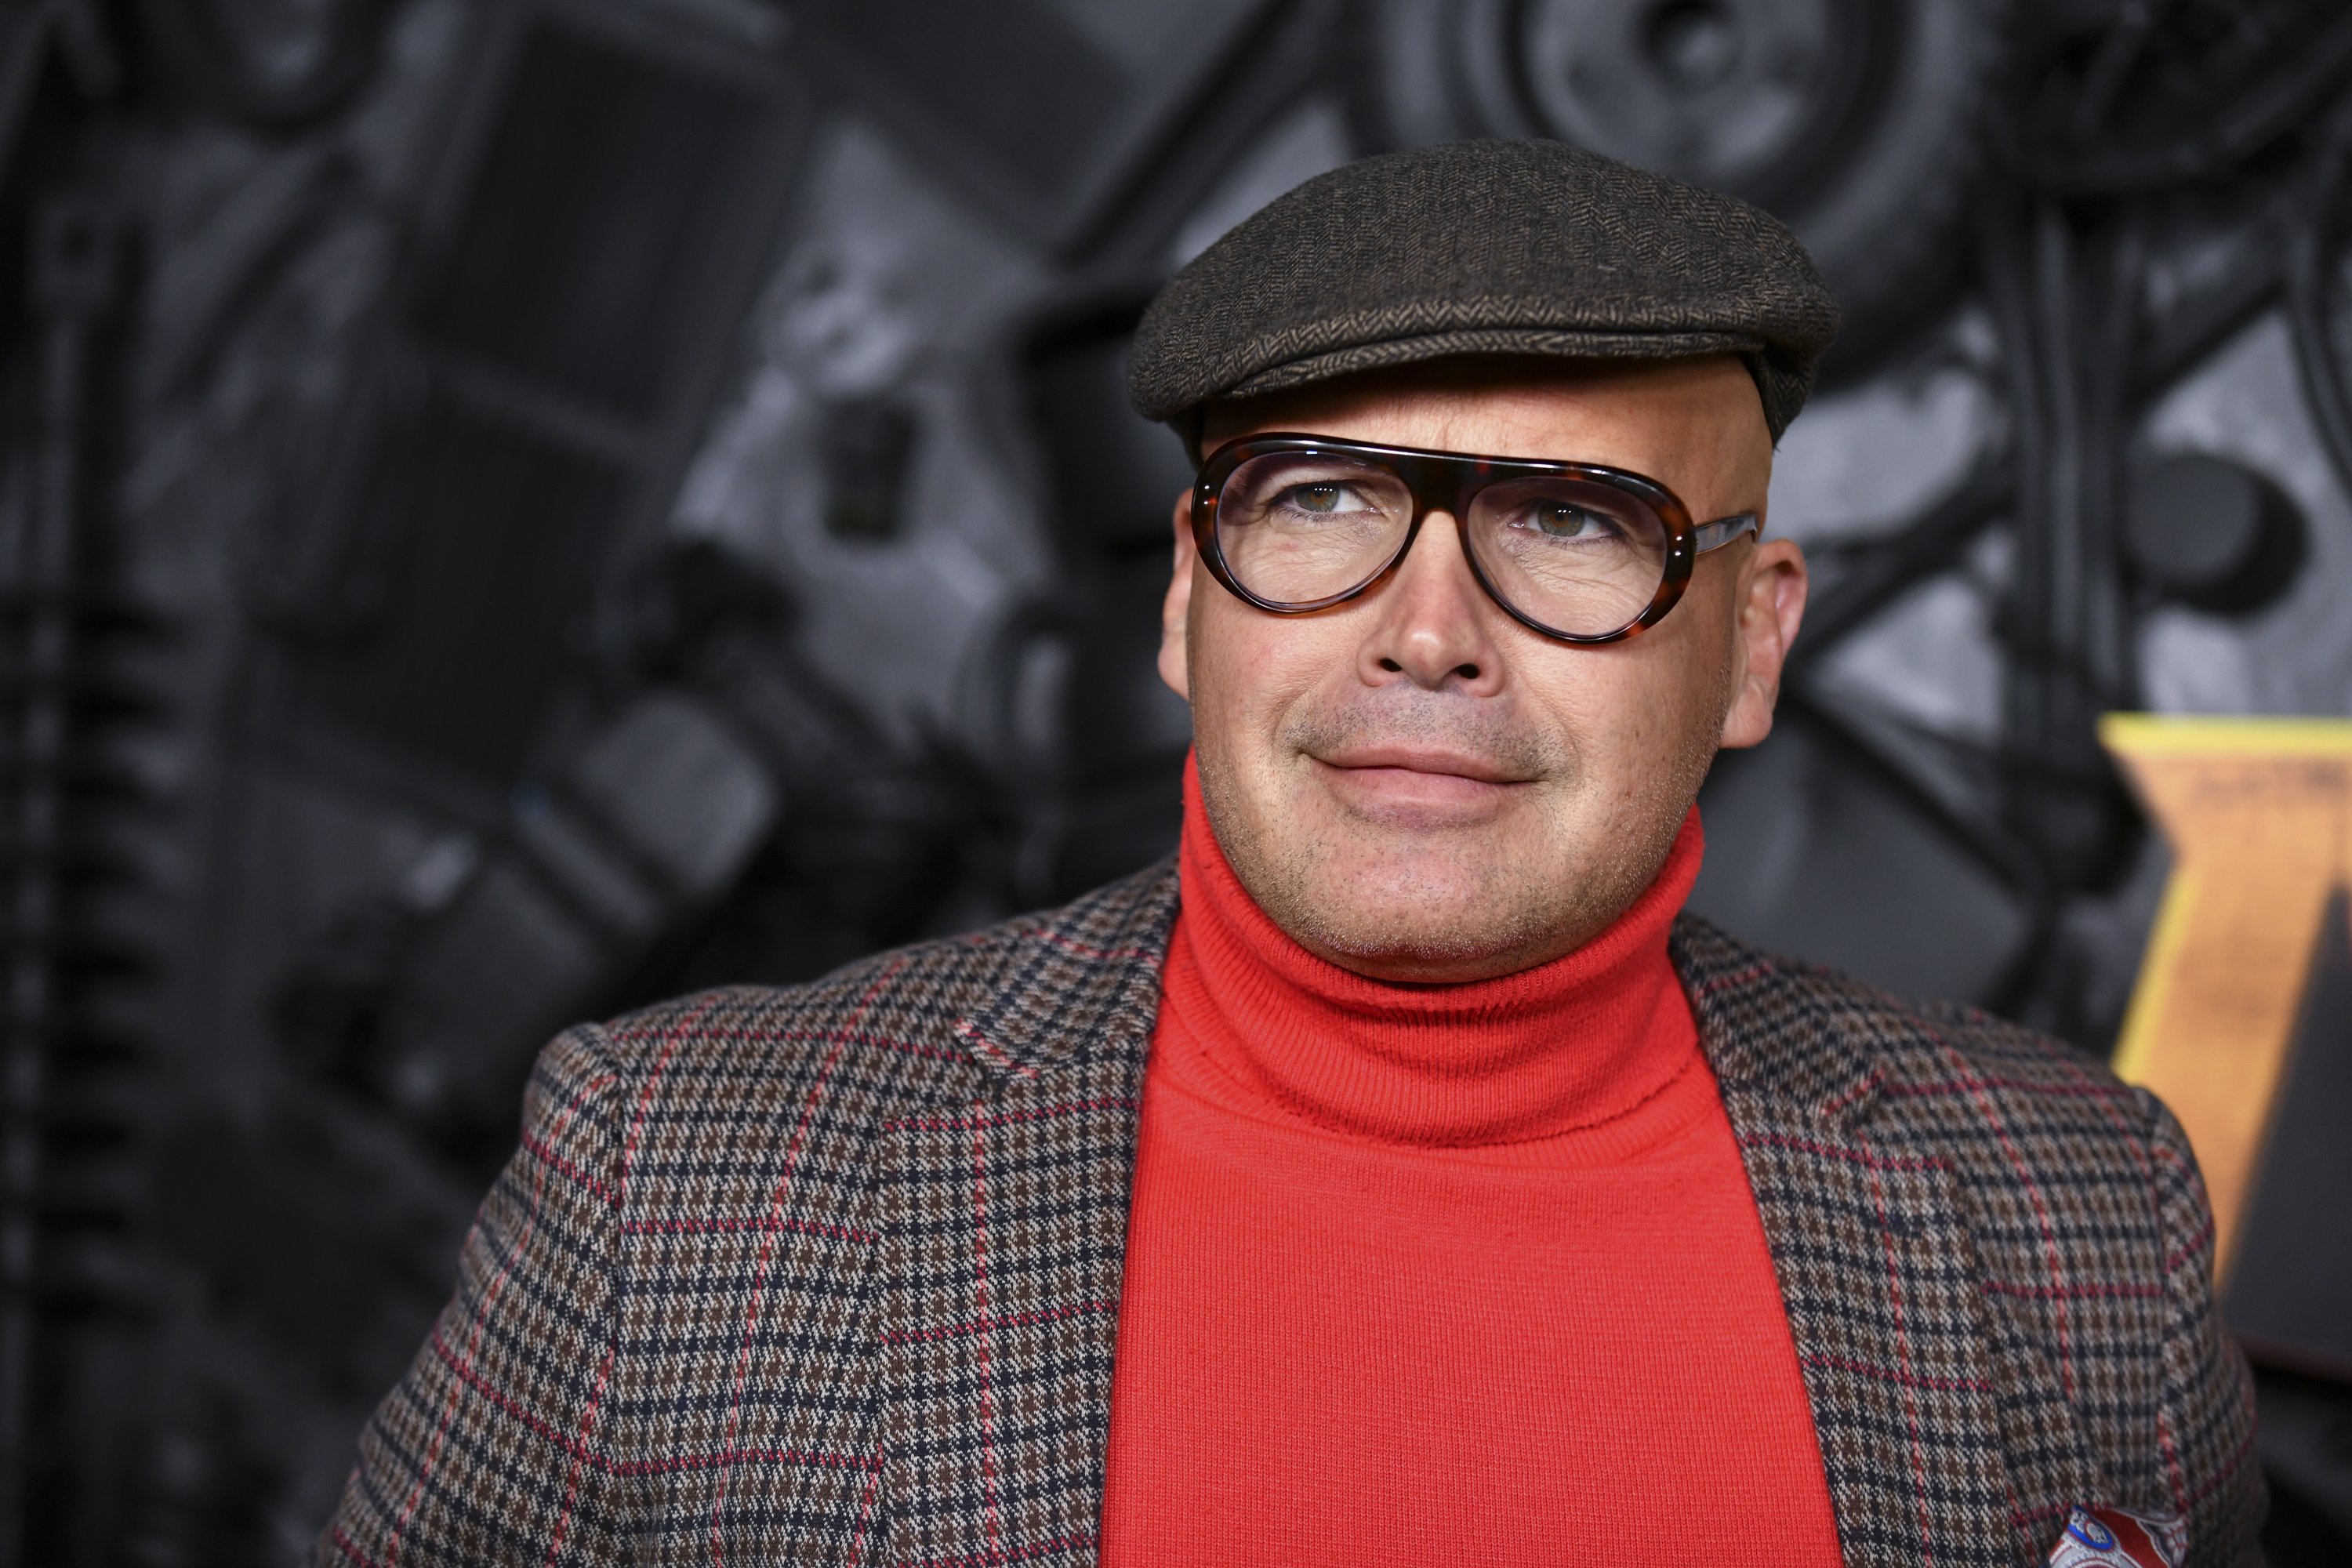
(1422, 908)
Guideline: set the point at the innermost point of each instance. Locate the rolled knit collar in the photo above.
(1573, 1044)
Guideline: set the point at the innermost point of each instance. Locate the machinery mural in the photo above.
(515, 508)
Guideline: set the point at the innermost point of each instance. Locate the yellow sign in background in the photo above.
(2259, 815)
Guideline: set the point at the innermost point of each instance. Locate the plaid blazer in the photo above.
(831, 1275)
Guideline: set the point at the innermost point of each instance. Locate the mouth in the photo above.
(1438, 760)
(1418, 779)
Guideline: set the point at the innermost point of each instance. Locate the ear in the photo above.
(1178, 605)
(1770, 605)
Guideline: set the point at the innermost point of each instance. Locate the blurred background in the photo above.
(510, 508)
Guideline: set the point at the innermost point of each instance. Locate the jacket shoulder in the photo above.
(892, 1033)
(1923, 1067)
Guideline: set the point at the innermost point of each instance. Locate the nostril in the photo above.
(1392, 666)
(1466, 671)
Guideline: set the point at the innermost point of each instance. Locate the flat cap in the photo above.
(1482, 248)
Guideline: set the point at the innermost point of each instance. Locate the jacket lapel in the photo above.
(1874, 1262)
(1009, 1233)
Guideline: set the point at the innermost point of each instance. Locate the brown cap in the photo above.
(1532, 247)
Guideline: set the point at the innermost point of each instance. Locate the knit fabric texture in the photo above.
(1478, 247)
(1443, 1273)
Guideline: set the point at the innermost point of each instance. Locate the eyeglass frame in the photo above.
(1422, 469)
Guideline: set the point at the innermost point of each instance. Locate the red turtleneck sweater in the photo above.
(1433, 1274)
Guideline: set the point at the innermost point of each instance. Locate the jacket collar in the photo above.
(1080, 982)
(1084, 980)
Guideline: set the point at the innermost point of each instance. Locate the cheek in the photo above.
(1683, 666)
(1638, 708)
(1249, 669)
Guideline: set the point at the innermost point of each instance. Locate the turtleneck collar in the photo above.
(1576, 1043)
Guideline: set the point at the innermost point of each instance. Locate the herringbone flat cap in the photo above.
(1482, 248)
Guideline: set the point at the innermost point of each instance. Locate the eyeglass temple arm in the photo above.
(1708, 536)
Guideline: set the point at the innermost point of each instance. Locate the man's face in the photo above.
(1414, 785)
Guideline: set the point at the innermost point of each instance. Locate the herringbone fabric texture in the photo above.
(1530, 247)
(830, 1275)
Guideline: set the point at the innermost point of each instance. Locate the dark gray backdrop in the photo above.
(513, 508)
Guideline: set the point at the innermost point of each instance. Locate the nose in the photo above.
(1432, 621)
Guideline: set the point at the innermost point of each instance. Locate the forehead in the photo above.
(1662, 417)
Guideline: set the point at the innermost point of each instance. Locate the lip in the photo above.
(1436, 760)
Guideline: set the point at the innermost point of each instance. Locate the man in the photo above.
(1398, 1177)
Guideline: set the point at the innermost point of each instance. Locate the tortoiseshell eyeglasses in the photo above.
(1575, 550)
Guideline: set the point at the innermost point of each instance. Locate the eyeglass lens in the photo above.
(1575, 555)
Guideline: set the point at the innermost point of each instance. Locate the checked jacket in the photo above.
(831, 1274)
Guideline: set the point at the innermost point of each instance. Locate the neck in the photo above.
(1567, 1045)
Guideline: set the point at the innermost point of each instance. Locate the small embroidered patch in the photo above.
(2101, 1535)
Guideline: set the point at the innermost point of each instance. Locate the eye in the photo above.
(1329, 498)
(1564, 519)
